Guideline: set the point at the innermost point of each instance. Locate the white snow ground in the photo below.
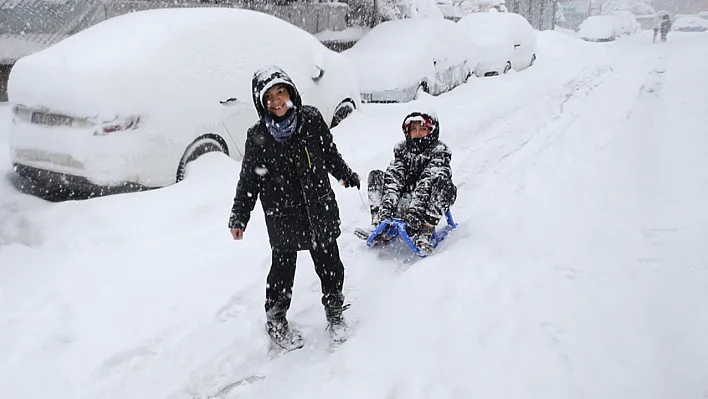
(579, 269)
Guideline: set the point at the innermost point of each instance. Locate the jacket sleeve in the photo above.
(333, 159)
(248, 188)
(394, 181)
(437, 168)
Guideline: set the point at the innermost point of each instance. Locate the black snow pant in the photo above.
(281, 277)
(442, 197)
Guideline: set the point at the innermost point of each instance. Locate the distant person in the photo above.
(665, 27)
(656, 25)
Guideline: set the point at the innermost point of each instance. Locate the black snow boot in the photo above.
(283, 336)
(424, 239)
(336, 325)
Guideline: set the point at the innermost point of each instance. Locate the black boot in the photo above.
(424, 239)
(336, 325)
(283, 336)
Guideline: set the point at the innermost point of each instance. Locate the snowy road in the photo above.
(578, 270)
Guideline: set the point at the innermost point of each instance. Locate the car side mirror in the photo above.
(317, 74)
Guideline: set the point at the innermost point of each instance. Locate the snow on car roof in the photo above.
(492, 27)
(162, 62)
(597, 26)
(411, 31)
(397, 54)
(140, 33)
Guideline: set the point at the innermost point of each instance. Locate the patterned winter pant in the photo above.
(442, 196)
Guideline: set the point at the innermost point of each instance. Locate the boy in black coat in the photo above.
(417, 185)
(288, 157)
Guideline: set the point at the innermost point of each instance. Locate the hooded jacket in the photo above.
(656, 22)
(290, 178)
(417, 165)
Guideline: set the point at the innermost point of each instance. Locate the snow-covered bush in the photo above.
(400, 9)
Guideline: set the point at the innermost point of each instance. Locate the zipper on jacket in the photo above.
(313, 236)
(309, 162)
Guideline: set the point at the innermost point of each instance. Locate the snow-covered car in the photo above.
(598, 28)
(503, 41)
(397, 59)
(690, 24)
(127, 103)
(625, 22)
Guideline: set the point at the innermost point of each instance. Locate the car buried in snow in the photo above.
(598, 28)
(128, 103)
(399, 59)
(690, 24)
(503, 41)
(625, 23)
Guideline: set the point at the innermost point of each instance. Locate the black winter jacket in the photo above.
(291, 178)
(417, 165)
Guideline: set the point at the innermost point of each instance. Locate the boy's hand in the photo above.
(351, 181)
(237, 234)
(381, 216)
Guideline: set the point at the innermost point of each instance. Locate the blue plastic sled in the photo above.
(397, 228)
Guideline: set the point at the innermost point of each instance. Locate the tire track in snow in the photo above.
(523, 125)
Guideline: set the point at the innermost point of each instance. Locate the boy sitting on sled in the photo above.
(417, 186)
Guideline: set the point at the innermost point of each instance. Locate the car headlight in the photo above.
(117, 125)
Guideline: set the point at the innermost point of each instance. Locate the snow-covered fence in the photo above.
(30, 25)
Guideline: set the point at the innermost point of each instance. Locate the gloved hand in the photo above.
(381, 216)
(351, 181)
(413, 222)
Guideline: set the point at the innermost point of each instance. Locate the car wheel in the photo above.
(533, 60)
(200, 146)
(507, 67)
(343, 110)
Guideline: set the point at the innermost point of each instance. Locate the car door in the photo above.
(445, 62)
(520, 34)
(241, 116)
(320, 92)
(315, 69)
(442, 74)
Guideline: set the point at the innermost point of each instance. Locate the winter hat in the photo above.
(279, 127)
(267, 77)
(429, 119)
(424, 119)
